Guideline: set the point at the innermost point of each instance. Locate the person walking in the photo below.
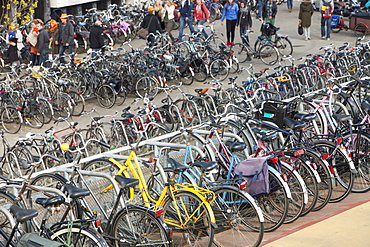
(185, 16)
(66, 37)
(289, 3)
(305, 14)
(54, 33)
(230, 13)
(244, 21)
(96, 38)
(269, 11)
(327, 7)
(201, 15)
(168, 17)
(43, 40)
(32, 41)
(151, 22)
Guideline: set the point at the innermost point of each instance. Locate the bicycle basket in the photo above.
(267, 29)
(38, 72)
(275, 111)
(32, 239)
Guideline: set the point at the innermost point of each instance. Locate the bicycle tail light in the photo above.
(243, 185)
(97, 223)
(325, 156)
(159, 213)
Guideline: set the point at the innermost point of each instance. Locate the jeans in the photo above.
(289, 3)
(44, 56)
(62, 48)
(244, 39)
(259, 5)
(201, 28)
(182, 26)
(327, 22)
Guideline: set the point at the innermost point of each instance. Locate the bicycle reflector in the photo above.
(97, 223)
(159, 213)
(274, 160)
(339, 140)
(64, 146)
(331, 169)
(298, 152)
(243, 185)
(325, 156)
(284, 177)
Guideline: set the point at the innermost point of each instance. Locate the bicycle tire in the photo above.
(7, 224)
(284, 46)
(106, 96)
(360, 152)
(11, 120)
(275, 204)
(187, 77)
(268, 54)
(215, 42)
(298, 190)
(339, 161)
(219, 69)
(242, 52)
(55, 181)
(34, 117)
(200, 70)
(148, 229)
(77, 236)
(184, 112)
(238, 215)
(200, 231)
(47, 109)
(62, 106)
(163, 117)
(234, 66)
(78, 103)
(146, 87)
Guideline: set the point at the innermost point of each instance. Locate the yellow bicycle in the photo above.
(187, 207)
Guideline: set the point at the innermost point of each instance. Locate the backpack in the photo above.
(255, 172)
(326, 9)
(205, 11)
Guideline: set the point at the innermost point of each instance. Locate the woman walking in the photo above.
(168, 17)
(230, 13)
(201, 15)
(244, 21)
(305, 13)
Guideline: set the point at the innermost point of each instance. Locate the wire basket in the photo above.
(38, 72)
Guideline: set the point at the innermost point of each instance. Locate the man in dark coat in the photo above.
(12, 52)
(66, 37)
(43, 40)
(185, 15)
(96, 38)
(152, 23)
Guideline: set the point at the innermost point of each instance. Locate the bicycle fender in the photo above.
(285, 184)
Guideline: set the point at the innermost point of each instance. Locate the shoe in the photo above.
(309, 38)
(290, 10)
(323, 37)
(328, 39)
(306, 38)
(249, 58)
(228, 44)
(231, 43)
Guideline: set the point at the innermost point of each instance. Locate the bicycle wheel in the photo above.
(47, 109)
(242, 52)
(298, 190)
(274, 205)
(284, 46)
(62, 106)
(146, 87)
(184, 112)
(163, 117)
(106, 96)
(6, 223)
(136, 226)
(215, 42)
(199, 230)
(200, 70)
(238, 215)
(268, 54)
(54, 181)
(74, 140)
(344, 179)
(78, 103)
(77, 236)
(11, 120)
(183, 49)
(234, 67)
(219, 69)
(360, 158)
(187, 77)
(33, 117)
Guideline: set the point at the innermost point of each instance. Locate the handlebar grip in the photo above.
(104, 144)
(145, 164)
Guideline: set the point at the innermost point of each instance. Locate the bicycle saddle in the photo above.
(265, 136)
(51, 201)
(177, 167)
(305, 117)
(342, 118)
(294, 124)
(205, 166)
(75, 192)
(127, 115)
(126, 182)
(235, 146)
(22, 214)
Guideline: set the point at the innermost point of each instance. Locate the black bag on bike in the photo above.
(255, 172)
(34, 240)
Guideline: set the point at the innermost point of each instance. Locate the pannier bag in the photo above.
(34, 240)
(255, 172)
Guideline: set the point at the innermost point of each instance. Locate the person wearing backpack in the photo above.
(327, 7)
(201, 15)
